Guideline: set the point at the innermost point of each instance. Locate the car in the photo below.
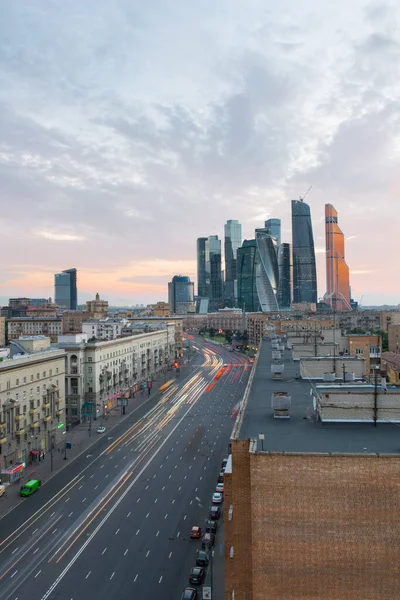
(217, 498)
(211, 527)
(214, 513)
(219, 487)
(196, 575)
(29, 487)
(189, 593)
(195, 532)
(224, 463)
(221, 477)
(202, 559)
(207, 541)
(101, 429)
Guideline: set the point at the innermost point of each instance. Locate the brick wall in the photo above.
(322, 527)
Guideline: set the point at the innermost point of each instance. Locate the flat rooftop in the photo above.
(302, 433)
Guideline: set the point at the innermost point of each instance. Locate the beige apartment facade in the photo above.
(48, 326)
(97, 308)
(32, 405)
(103, 372)
(2, 331)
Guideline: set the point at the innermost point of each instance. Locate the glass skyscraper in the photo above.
(304, 267)
(337, 271)
(246, 277)
(233, 241)
(213, 272)
(201, 268)
(65, 289)
(267, 272)
(273, 227)
(181, 295)
(285, 267)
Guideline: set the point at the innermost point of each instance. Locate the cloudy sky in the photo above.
(128, 129)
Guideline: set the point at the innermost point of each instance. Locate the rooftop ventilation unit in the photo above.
(277, 371)
(329, 377)
(349, 376)
(281, 403)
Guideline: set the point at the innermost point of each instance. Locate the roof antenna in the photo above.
(301, 198)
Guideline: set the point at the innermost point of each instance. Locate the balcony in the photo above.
(47, 418)
(74, 370)
(3, 440)
(45, 405)
(59, 400)
(20, 431)
(33, 411)
(59, 412)
(35, 425)
(19, 417)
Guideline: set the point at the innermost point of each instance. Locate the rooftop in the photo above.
(392, 359)
(302, 433)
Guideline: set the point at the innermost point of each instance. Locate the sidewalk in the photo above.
(81, 442)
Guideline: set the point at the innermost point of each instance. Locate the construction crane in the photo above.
(301, 198)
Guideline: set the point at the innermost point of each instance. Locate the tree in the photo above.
(212, 332)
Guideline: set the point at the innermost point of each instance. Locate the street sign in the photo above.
(206, 592)
(88, 409)
(60, 425)
(122, 402)
(68, 445)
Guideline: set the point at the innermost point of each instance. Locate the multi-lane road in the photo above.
(115, 523)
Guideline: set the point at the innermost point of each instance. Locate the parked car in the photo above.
(101, 429)
(189, 593)
(217, 498)
(214, 513)
(196, 575)
(219, 487)
(207, 540)
(221, 477)
(224, 463)
(211, 527)
(202, 559)
(195, 532)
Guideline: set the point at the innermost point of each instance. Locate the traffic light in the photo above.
(176, 364)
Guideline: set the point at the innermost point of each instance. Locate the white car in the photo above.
(217, 498)
(219, 488)
(101, 429)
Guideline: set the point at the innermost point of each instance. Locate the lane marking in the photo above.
(160, 580)
(126, 552)
(170, 554)
(117, 531)
(104, 551)
(135, 578)
(112, 575)
(38, 573)
(88, 575)
(148, 552)
(137, 532)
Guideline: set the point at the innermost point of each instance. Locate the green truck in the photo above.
(29, 487)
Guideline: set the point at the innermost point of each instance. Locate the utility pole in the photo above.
(344, 373)
(376, 397)
(51, 450)
(65, 450)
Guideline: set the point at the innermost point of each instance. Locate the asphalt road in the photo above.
(115, 523)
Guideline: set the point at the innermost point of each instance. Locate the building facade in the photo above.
(2, 331)
(337, 271)
(181, 295)
(273, 227)
(202, 291)
(103, 329)
(71, 321)
(32, 402)
(304, 265)
(65, 288)
(99, 373)
(285, 276)
(97, 308)
(246, 277)
(267, 272)
(227, 319)
(47, 326)
(233, 241)
(214, 272)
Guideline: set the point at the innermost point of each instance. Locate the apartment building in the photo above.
(97, 308)
(311, 490)
(108, 328)
(101, 373)
(177, 321)
(2, 331)
(71, 321)
(27, 326)
(227, 319)
(32, 401)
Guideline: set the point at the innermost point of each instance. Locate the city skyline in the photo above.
(101, 166)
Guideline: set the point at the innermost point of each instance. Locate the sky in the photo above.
(128, 129)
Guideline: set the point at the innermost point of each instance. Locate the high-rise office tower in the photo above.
(201, 268)
(285, 268)
(267, 272)
(337, 271)
(181, 295)
(233, 241)
(213, 272)
(246, 277)
(65, 289)
(304, 267)
(273, 227)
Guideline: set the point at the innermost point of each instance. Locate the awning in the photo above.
(36, 452)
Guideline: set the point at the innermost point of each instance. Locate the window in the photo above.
(57, 371)
(44, 387)
(16, 396)
(44, 373)
(31, 377)
(90, 359)
(359, 351)
(50, 372)
(90, 389)
(90, 369)
(24, 379)
(37, 375)
(24, 395)
(38, 389)
(31, 393)
(17, 382)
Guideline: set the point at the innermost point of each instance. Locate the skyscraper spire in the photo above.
(337, 272)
